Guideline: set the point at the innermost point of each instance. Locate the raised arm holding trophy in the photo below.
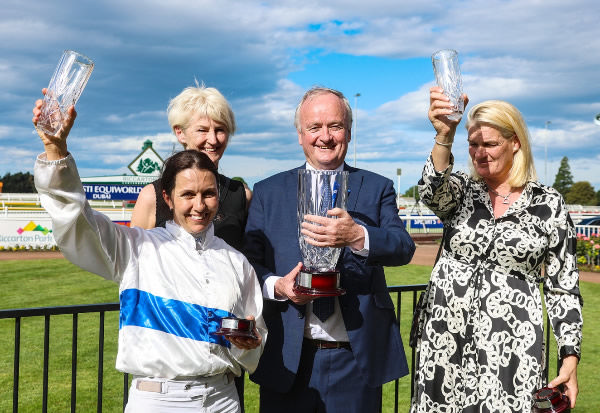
(509, 250)
(176, 284)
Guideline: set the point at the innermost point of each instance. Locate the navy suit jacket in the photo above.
(271, 245)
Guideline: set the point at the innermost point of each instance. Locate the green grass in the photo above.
(41, 283)
(56, 282)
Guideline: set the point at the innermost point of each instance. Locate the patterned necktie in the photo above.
(323, 307)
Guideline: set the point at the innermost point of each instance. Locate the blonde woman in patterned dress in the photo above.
(481, 342)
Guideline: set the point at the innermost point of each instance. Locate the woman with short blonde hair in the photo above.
(206, 101)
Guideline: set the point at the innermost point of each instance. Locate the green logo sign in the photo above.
(147, 163)
(147, 166)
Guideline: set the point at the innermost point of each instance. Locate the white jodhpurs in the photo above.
(198, 395)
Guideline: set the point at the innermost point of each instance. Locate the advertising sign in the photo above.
(103, 191)
(428, 222)
(28, 232)
(35, 230)
(148, 162)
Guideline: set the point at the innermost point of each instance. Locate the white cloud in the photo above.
(137, 117)
(410, 107)
(4, 131)
(255, 168)
(541, 56)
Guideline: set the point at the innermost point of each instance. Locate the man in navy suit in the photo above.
(341, 362)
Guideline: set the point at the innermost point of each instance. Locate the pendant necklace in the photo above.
(504, 197)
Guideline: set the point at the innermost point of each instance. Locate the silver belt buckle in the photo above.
(149, 385)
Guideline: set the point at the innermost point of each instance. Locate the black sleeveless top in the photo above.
(230, 220)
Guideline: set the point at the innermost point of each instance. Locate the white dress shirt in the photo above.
(332, 329)
(173, 290)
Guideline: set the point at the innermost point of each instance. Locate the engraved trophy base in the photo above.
(318, 283)
(547, 400)
(236, 327)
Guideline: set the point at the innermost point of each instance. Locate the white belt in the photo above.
(158, 385)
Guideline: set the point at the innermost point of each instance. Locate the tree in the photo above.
(564, 179)
(411, 192)
(581, 193)
(18, 183)
(239, 178)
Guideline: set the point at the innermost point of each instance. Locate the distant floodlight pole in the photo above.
(546, 152)
(354, 137)
(398, 172)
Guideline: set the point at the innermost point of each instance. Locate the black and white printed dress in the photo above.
(481, 346)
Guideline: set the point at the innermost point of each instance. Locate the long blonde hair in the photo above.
(507, 119)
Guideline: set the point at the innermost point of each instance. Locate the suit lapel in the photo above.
(291, 202)
(355, 181)
(291, 182)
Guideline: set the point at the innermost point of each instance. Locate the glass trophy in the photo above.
(66, 85)
(318, 192)
(447, 75)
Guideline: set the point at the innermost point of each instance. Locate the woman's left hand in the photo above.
(567, 376)
(246, 343)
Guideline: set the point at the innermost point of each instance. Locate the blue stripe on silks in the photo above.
(193, 321)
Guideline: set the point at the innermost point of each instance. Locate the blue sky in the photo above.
(542, 56)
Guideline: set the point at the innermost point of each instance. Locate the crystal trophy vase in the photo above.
(447, 75)
(66, 85)
(319, 276)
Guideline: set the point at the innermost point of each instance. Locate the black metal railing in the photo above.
(47, 312)
(399, 289)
